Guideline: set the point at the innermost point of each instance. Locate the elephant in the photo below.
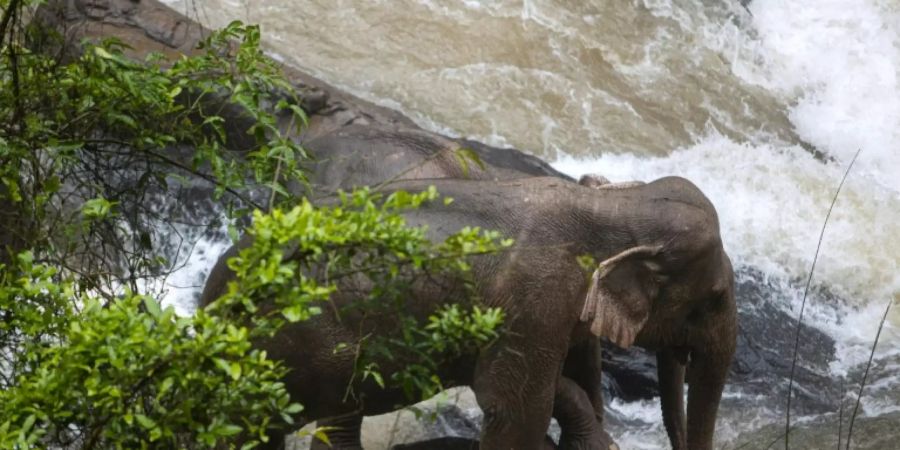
(572, 407)
(365, 155)
(664, 282)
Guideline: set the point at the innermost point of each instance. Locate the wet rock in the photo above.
(452, 419)
(869, 433)
(630, 374)
(443, 443)
(762, 361)
(766, 339)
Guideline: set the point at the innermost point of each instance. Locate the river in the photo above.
(762, 105)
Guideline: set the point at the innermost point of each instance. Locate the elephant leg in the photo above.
(514, 385)
(671, 391)
(706, 380)
(575, 414)
(583, 366)
(344, 433)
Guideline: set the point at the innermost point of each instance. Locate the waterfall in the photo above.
(761, 105)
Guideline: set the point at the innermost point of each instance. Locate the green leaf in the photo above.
(229, 430)
(235, 371)
(294, 313)
(29, 422)
(145, 421)
(152, 306)
(101, 52)
(222, 364)
(321, 434)
(96, 208)
(165, 386)
(294, 408)
(464, 155)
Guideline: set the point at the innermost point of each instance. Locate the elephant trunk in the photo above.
(706, 380)
(670, 370)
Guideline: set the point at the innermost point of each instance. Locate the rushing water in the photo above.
(762, 106)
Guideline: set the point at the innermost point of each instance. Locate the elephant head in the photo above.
(663, 282)
(674, 295)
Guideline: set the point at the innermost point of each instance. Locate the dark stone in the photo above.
(630, 374)
(762, 362)
(766, 339)
(442, 443)
(869, 433)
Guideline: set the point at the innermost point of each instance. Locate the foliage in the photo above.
(34, 310)
(303, 257)
(108, 136)
(124, 379)
(90, 145)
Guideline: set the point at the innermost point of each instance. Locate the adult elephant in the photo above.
(663, 282)
(365, 155)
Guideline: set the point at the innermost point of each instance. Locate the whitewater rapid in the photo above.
(762, 107)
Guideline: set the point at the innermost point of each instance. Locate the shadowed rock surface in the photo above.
(869, 433)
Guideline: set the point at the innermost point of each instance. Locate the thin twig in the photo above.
(278, 173)
(409, 169)
(11, 16)
(205, 176)
(841, 415)
(866, 373)
(275, 184)
(787, 425)
(7, 18)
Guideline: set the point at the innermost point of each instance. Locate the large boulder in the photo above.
(362, 155)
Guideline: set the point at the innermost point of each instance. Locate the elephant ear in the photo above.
(621, 293)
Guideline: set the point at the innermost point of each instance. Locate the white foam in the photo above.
(644, 430)
(772, 201)
(181, 287)
(841, 59)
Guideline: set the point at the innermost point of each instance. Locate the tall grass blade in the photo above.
(841, 415)
(787, 425)
(866, 373)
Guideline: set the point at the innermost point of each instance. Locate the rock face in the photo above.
(339, 120)
(869, 433)
(364, 155)
(762, 361)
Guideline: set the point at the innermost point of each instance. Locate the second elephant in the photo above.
(362, 155)
(663, 281)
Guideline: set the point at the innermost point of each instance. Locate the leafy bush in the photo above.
(89, 143)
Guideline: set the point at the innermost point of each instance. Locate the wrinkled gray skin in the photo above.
(663, 282)
(356, 156)
(363, 156)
